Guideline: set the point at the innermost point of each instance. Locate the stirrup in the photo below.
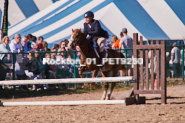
(102, 67)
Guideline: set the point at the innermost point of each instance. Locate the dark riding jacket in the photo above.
(94, 30)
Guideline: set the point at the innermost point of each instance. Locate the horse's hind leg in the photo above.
(115, 72)
(106, 84)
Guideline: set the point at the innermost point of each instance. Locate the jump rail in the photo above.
(83, 102)
(68, 80)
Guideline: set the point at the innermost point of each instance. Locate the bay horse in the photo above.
(78, 38)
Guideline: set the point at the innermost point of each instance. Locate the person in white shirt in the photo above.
(33, 45)
(15, 44)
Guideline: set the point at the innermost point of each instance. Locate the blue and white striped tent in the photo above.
(19, 10)
(153, 19)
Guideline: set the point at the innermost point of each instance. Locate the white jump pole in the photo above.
(67, 80)
(84, 102)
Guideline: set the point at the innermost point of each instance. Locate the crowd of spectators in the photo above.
(28, 62)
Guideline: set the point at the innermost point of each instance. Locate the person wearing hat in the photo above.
(93, 28)
(126, 42)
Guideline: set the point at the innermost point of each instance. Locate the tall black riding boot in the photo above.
(102, 54)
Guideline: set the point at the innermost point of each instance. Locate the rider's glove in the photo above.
(85, 33)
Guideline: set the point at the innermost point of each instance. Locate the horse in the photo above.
(87, 51)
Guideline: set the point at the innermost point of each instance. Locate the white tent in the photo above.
(153, 19)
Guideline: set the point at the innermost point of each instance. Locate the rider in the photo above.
(93, 28)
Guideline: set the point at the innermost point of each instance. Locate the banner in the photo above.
(4, 27)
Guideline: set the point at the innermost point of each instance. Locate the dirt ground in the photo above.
(152, 112)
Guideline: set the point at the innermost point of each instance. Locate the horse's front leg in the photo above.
(95, 72)
(106, 84)
(83, 69)
(115, 72)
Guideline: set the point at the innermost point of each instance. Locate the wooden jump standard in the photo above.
(146, 85)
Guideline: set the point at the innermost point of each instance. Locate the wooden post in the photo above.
(157, 69)
(152, 66)
(135, 54)
(136, 70)
(163, 72)
(141, 66)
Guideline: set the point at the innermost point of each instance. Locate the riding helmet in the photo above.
(89, 14)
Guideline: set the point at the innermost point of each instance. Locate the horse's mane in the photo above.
(90, 43)
(78, 31)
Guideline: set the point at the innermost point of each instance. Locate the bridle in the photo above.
(76, 39)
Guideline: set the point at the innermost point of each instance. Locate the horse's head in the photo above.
(74, 38)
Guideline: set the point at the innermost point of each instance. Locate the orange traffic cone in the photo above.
(155, 83)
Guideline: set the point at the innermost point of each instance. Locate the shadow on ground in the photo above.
(9, 94)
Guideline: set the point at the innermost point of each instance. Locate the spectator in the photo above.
(175, 60)
(66, 42)
(56, 46)
(47, 74)
(27, 46)
(50, 69)
(116, 45)
(167, 64)
(39, 44)
(15, 44)
(23, 41)
(34, 65)
(53, 55)
(41, 67)
(63, 45)
(181, 58)
(155, 62)
(45, 48)
(126, 42)
(33, 45)
(62, 55)
(114, 38)
(20, 69)
(63, 68)
(4, 69)
(4, 47)
(45, 45)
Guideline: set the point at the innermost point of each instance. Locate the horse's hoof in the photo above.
(102, 98)
(108, 97)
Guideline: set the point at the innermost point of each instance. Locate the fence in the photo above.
(75, 73)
